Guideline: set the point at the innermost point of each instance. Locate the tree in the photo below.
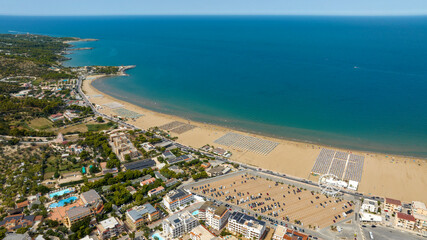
(99, 119)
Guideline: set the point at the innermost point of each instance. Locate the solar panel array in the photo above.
(343, 165)
(249, 143)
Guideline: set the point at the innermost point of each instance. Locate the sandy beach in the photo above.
(398, 177)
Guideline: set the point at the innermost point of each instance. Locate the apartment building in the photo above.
(392, 205)
(248, 226)
(76, 214)
(179, 224)
(283, 233)
(405, 221)
(201, 233)
(92, 200)
(177, 198)
(217, 217)
(155, 191)
(110, 227)
(142, 214)
(202, 210)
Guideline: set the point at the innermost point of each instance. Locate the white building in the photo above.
(248, 226)
(201, 233)
(217, 217)
(177, 198)
(370, 218)
(110, 227)
(178, 224)
(369, 206)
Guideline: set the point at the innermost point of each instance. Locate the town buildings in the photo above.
(110, 227)
(122, 146)
(177, 198)
(392, 205)
(405, 221)
(139, 165)
(155, 191)
(76, 214)
(248, 226)
(283, 233)
(217, 216)
(137, 216)
(148, 181)
(201, 233)
(178, 224)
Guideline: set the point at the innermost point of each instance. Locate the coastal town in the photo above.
(75, 168)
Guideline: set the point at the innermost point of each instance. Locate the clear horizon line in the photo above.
(220, 14)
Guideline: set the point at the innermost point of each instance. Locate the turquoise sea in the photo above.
(351, 82)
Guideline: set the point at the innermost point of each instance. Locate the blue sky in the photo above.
(213, 7)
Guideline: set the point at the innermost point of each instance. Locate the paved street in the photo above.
(385, 233)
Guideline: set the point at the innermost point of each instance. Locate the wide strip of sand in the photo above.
(403, 178)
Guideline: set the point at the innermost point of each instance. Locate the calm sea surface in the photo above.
(352, 82)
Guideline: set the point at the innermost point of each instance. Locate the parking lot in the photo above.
(276, 200)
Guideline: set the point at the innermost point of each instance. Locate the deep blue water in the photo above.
(352, 82)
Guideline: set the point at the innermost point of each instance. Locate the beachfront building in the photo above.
(201, 215)
(217, 171)
(156, 191)
(177, 198)
(77, 214)
(178, 224)
(419, 211)
(248, 226)
(110, 227)
(419, 208)
(217, 216)
(201, 233)
(137, 216)
(405, 221)
(369, 206)
(283, 233)
(92, 200)
(392, 205)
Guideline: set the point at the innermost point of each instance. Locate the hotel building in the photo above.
(178, 224)
(177, 198)
(248, 226)
(137, 216)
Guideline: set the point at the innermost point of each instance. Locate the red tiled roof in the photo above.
(22, 204)
(406, 217)
(393, 201)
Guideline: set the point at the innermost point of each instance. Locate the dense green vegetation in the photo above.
(32, 55)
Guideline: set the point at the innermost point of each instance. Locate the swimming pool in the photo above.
(60, 193)
(157, 235)
(63, 202)
(195, 213)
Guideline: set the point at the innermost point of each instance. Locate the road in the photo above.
(385, 233)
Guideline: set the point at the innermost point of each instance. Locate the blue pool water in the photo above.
(195, 212)
(60, 193)
(63, 202)
(156, 235)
